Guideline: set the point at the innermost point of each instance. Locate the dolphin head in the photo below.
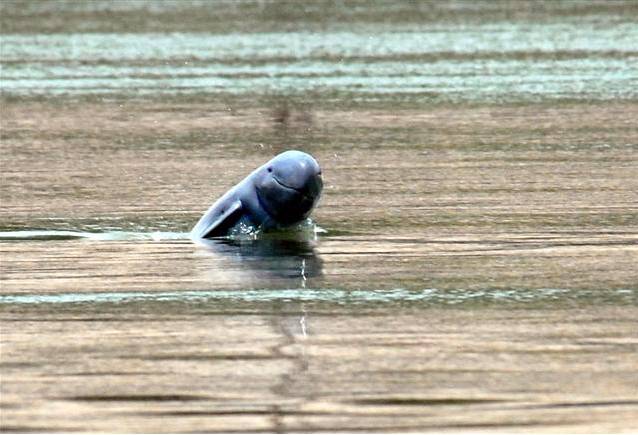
(289, 186)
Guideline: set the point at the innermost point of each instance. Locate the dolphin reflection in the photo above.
(265, 260)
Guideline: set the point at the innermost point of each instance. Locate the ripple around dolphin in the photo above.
(305, 229)
(339, 296)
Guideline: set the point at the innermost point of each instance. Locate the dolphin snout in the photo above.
(299, 171)
(309, 187)
(313, 186)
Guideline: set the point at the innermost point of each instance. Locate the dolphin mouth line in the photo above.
(286, 186)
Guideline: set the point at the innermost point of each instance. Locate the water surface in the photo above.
(474, 267)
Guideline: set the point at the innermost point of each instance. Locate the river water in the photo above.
(470, 266)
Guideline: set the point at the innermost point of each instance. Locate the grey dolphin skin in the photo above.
(278, 194)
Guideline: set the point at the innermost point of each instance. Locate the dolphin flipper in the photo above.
(217, 222)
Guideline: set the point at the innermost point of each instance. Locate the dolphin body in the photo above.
(278, 194)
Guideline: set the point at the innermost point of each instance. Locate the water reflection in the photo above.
(267, 257)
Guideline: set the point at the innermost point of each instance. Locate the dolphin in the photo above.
(278, 194)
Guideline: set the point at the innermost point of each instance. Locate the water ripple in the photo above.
(71, 235)
(435, 296)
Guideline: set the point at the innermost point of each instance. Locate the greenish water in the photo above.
(488, 63)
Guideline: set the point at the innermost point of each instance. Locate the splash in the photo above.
(304, 230)
(244, 230)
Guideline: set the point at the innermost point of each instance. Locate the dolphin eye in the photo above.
(269, 169)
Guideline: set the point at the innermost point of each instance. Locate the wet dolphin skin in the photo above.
(278, 194)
